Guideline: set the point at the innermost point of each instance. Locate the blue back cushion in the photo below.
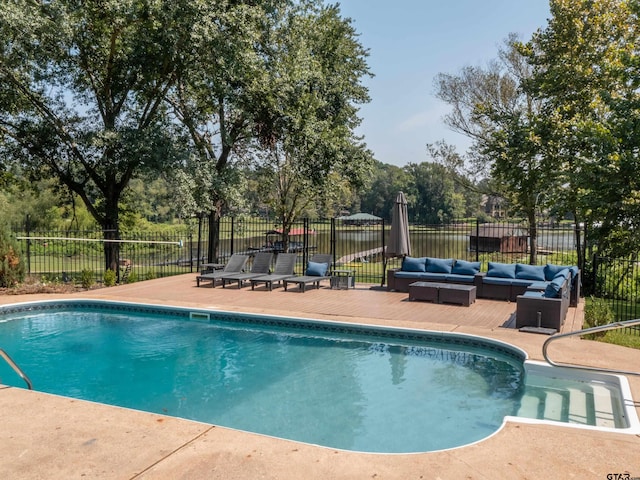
(554, 287)
(565, 273)
(551, 270)
(414, 264)
(439, 265)
(530, 272)
(316, 269)
(502, 270)
(462, 267)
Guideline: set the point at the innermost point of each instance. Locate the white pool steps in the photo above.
(592, 405)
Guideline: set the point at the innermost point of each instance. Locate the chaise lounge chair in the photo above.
(285, 263)
(316, 271)
(235, 265)
(260, 267)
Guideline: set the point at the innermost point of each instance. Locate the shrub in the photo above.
(109, 278)
(132, 278)
(11, 265)
(597, 312)
(86, 278)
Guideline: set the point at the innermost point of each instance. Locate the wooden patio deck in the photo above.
(366, 304)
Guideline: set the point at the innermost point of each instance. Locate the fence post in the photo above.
(384, 256)
(232, 234)
(477, 239)
(594, 276)
(305, 236)
(199, 248)
(333, 240)
(28, 229)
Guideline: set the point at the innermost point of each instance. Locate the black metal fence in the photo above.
(65, 256)
(618, 282)
(359, 246)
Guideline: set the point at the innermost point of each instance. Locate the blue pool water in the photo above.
(348, 387)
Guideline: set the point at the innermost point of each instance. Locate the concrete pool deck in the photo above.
(51, 437)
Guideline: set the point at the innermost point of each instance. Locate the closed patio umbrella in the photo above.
(399, 243)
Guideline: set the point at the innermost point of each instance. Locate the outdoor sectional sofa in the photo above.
(502, 281)
(426, 269)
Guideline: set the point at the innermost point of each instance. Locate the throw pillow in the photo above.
(551, 270)
(316, 269)
(554, 287)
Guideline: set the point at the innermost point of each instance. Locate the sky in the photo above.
(409, 43)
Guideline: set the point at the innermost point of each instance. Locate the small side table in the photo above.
(343, 279)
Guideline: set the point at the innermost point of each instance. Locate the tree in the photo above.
(586, 74)
(274, 84)
(214, 99)
(307, 118)
(82, 94)
(491, 107)
(379, 194)
(465, 181)
(432, 192)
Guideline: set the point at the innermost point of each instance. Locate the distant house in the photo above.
(493, 206)
(499, 237)
(360, 219)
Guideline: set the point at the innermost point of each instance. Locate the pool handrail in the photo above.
(16, 368)
(586, 331)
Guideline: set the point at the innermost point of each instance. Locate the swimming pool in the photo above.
(344, 386)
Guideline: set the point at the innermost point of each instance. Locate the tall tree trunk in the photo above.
(213, 247)
(111, 249)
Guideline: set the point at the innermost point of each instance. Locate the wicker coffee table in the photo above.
(443, 293)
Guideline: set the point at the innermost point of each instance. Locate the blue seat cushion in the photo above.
(521, 282)
(316, 269)
(452, 277)
(530, 272)
(403, 274)
(539, 286)
(497, 280)
(501, 270)
(414, 264)
(533, 294)
(462, 267)
(439, 265)
(433, 277)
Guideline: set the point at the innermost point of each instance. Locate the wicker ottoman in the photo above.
(443, 293)
(458, 294)
(425, 291)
